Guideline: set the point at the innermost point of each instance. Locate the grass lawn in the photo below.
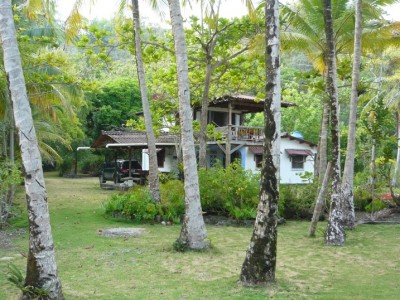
(95, 267)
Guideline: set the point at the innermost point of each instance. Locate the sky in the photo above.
(106, 9)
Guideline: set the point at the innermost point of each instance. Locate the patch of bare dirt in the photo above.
(121, 232)
(6, 237)
(384, 216)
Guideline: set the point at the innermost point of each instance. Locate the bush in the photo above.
(298, 200)
(136, 205)
(375, 205)
(362, 197)
(232, 191)
(90, 163)
(172, 200)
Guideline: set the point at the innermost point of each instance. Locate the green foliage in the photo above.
(135, 205)
(375, 205)
(111, 106)
(232, 191)
(172, 200)
(179, 246)
(66, 166)
(298, 200)
(15, 276)
(9, 175)
(138, 205)
(89, 163)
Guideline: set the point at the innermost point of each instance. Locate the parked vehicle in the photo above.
(118, 170)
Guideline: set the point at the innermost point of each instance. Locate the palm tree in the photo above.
(151, 142)
(41, 264)
(335, 234)
(193, 234)
(260, 262)
(348, 174)
(304, 31)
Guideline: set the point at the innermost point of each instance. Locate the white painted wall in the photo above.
(170, 162)
(287, 174)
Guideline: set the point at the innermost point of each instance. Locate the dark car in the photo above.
(118, 170)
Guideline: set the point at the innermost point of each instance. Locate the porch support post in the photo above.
(130, 161)
(228, 141)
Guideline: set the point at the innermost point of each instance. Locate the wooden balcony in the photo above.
(235, 133)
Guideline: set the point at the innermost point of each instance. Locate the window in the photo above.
(161, 158)
(297, 162)
(258, 158)
(213, 158)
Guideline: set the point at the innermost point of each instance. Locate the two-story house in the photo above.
(236, 141)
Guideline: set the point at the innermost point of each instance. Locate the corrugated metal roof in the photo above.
(131, 137)
(256, 104)
(299, 152)
(300, 140)
(257, 149)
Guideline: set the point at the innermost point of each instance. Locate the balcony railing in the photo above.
(241, 133)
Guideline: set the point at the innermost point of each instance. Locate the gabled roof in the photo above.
(244, 102)
(300, 140)
(131, 138)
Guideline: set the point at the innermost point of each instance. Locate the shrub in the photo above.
(298, 200)
(375, 205)
(135, 205)
(172, 200)
(90, 163)
(232, 191)
(361, 195)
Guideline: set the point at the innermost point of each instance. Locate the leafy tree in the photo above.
(112, 105)
(304, 31)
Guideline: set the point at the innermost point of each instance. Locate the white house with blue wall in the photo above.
(235, 141)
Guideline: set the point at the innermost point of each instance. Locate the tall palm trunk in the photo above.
(41, 264)
(260, 262)
(372, 178)
(348, 173)
(335, 234)
(151, 141)
(395, 179)
(7, 196)
(193, 234)
(323, 143)
(11, 191)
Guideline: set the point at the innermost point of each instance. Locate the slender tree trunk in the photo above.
(335, 234)
(372, 179)
(151, 141)
(348, 173)
(11, 191)
(323, 143)
(204, 115)
(395, 179)
(260, 263)
(193, 234)
(319, 204)
(41, 264)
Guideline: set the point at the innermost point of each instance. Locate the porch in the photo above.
(236, 133)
